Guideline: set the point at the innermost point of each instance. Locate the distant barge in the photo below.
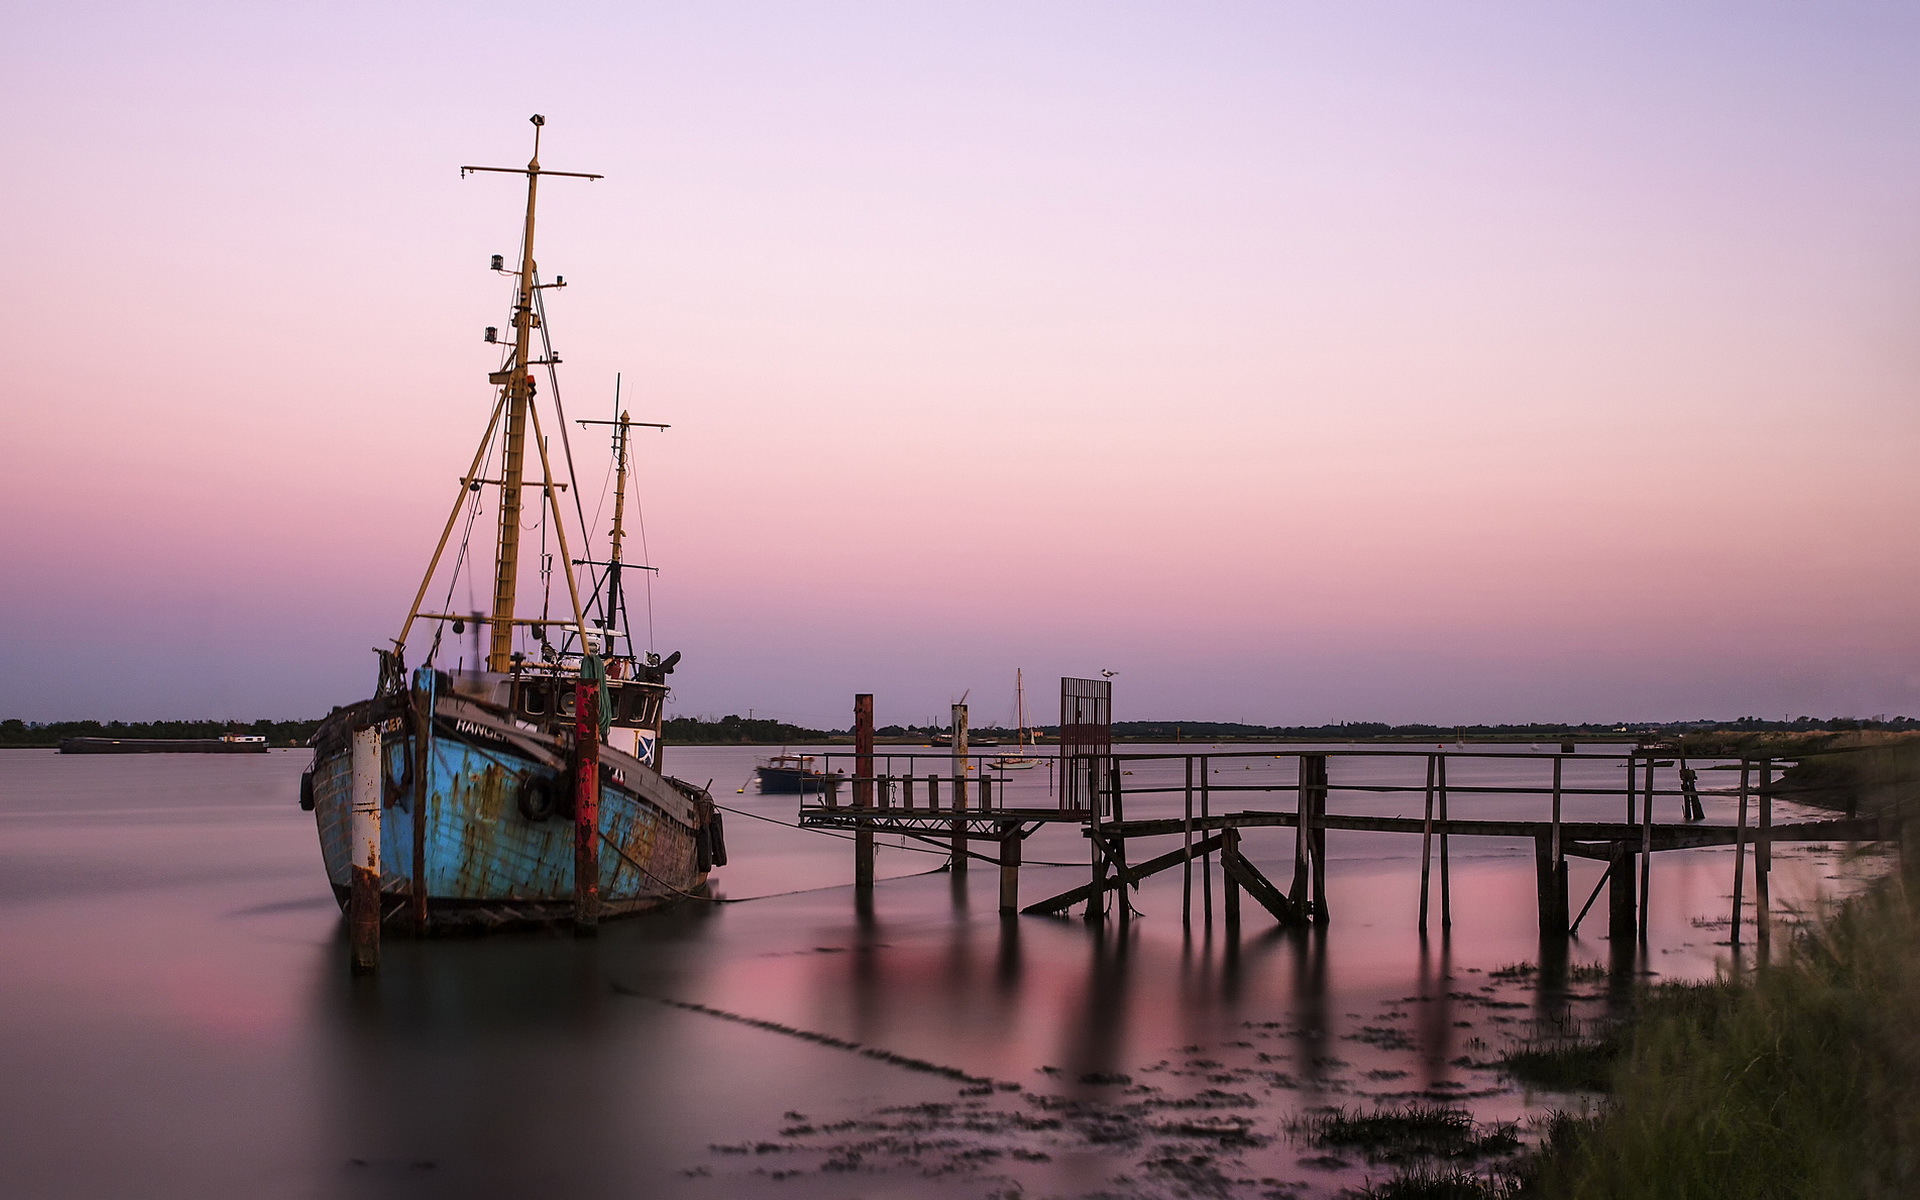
(221, 745)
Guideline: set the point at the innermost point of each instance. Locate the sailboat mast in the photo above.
(506, 563)
(1020, 702)
(614, 609)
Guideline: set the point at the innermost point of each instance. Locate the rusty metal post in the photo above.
(586, 801)
(423, 704)
(363, 899)
(960, 788)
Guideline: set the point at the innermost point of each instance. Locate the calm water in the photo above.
(180, 1021)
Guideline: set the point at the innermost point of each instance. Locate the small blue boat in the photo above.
(523, 785)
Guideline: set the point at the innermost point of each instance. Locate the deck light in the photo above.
(499, 262)
(493, 333)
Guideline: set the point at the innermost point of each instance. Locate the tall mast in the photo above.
(516, 404)
(506, 563)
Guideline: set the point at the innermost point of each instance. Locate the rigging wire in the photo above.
(560, 411)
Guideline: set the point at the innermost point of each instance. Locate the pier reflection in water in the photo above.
(183, 1024)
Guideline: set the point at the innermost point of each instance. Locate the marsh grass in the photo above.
(1439, 1183)
(1565, 1064)
(1803, 1081)
(1415, 1133)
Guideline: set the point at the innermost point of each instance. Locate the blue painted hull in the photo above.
(488, 862)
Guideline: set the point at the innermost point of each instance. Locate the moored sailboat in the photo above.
(503, 799)
(1021, 760)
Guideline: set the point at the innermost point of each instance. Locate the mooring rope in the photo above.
(1030, 862)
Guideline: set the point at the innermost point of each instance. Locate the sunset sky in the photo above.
(1298, 362)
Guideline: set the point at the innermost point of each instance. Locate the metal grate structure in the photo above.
(1086, 743)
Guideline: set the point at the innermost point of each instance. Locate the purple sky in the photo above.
(1298, 362)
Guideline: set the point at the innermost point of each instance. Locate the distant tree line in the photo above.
(35, 733)
(737, 730)
(733, 728)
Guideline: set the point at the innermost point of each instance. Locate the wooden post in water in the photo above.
(960, 788)
(1426, 848)
(1632, 784)
(1646, 851)
(863, 789)
(1301, 889)
(1097, 893)
(1009, 867)
(863, 750)
(423, 687)
(1230, 849)
(1558, 883)
(1620, 893)
(1317, 847)
(586, 797)
(363, 898)
(1206, 860)
(1446, 876)
(1763, 865)
(1740, 851)
(1186, 844)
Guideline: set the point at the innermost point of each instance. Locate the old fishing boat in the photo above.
(521, 785)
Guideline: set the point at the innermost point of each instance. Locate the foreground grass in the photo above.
(1802, 1082)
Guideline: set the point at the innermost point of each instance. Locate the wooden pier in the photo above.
(910, 796)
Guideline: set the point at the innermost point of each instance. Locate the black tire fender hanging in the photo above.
(703, 850)
(717, 838)
(537, 799)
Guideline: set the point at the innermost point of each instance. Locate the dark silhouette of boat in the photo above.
(230, 744)
(794, 774)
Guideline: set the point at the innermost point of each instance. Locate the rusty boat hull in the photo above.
(499, 830)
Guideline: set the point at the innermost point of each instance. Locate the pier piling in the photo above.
(1229, 853)
(1009, 866)
(363, 900)
(1763, 865)
(1740, 851)
(1620, 893)
(960, 788)
(863, 789)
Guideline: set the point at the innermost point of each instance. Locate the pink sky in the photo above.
(1298, 362)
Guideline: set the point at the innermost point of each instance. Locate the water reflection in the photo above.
(542, 1065)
